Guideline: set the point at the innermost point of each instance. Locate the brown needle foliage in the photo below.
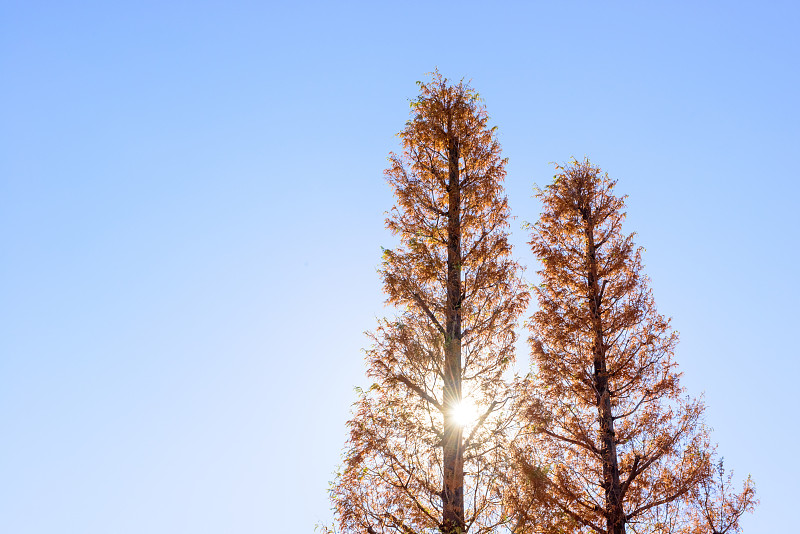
(616, 439)
(411, 466)
(712, 507)
(716, 508)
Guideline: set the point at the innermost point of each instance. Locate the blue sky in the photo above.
(191, 216)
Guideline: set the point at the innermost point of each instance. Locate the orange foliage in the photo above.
(616, 440)
(605, 439)
(716, 508)
(410, 465)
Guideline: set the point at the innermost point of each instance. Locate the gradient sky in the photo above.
(191, 216)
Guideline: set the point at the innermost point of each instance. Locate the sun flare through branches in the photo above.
(465, 413)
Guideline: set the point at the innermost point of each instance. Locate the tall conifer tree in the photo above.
(426, 438)
(617, 439)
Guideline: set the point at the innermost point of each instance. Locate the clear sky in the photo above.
(191, 216)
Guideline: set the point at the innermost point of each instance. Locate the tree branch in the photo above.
(419, 391)
(428, 312)
(586, 446)
(480, 422)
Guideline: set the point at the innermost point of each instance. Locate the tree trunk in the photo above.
(453, 456)
(615, 515)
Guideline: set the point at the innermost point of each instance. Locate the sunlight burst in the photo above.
(465, 412)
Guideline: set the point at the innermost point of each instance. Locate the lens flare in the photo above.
(465, 412)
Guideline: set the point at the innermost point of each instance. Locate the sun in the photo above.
(465, 412)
